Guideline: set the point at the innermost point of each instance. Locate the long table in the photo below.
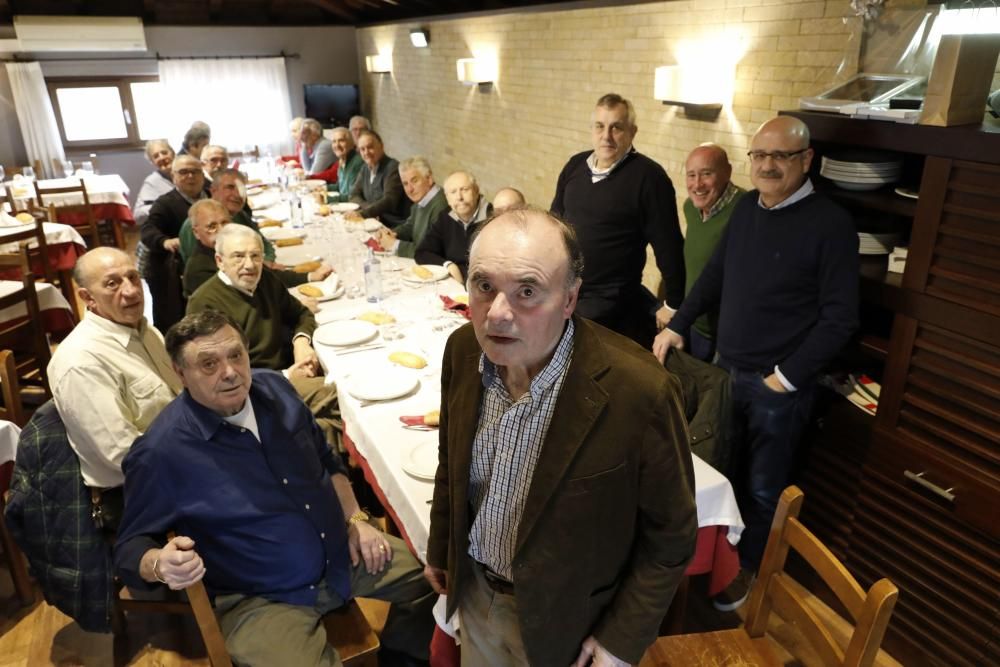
(108, 195)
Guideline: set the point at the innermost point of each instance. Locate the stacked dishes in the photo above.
(877, 244)
(862, 170)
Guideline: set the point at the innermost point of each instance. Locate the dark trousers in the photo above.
(766, 427)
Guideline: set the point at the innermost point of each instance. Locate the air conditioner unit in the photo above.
(80, 33)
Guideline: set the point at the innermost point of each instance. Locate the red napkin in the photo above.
(373, 243)
(453, 305)
(412, 420)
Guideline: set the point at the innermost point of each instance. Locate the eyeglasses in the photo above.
(778, 156)
(188, 172)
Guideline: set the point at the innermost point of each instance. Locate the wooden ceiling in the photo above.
(259, 12)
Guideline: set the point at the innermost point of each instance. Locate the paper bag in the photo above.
(960, 80)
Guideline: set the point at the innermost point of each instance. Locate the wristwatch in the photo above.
(360, 515)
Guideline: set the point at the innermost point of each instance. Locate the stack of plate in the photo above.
(868, 171)
(877, 244)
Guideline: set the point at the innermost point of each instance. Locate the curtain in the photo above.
(35, 114)
(244, 100)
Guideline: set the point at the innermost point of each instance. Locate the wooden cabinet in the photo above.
(916, 496)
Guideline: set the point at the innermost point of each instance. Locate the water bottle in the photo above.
(373, 277)
(295, 206)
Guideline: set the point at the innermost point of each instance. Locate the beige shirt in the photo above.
(109, 381)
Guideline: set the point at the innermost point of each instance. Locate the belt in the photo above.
(496, 583)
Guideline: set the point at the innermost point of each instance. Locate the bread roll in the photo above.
(306, 267)
(408, 359)
(268, 222)
(376, 317)
(310, 290)
(283, 243)
(433, 418)
(24, 217)
(422, 272)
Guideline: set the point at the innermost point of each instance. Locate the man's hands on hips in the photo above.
(177, 564)
(438, 579)
(367, 543)
(592, 653)
(665, 340)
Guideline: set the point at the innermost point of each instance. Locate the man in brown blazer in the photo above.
(563, 513)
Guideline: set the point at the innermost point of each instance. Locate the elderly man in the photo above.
(349, 162)
(506, 198)
(229, 188)
(195, 139)
(111, 376)
(377, 188)
(316, 153)
(158, 183)
(263, 511)
(784, 277)
(447, 240)
(160, 236)
(563, 513)
(619, 201)
(429, 202)
(213, 158)
(712, 196)
(357, 125)
(294, 128)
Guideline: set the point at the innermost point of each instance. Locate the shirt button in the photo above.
(243, 430)
(323, 535)
(307, 505)
(312, 588)
(284, 480)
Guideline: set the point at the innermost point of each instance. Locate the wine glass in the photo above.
(87, 167)
(67, 168)
(28, 173)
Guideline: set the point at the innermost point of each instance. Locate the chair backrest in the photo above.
(255, 153)
(25, 335)
(39, 255)
(89, 226)
(12, 409)
(869, 611)
(14, 170)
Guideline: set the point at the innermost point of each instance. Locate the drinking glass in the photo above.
(3, 174)
(87, 167)
(67, 168)
(28, 173)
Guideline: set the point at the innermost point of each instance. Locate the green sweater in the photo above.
(201, 266)
(189, 242)
(699, 244)
(270, 318)
(347, 174)
(421, 217)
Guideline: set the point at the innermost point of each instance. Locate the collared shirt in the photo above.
(508, 441)
(596, 173)
(247, 419)
(804, 191)
(109, 381)
(480, 214)
(431, 194)
(227, 281)
(373, 172)
(263, 514)
(729, 194)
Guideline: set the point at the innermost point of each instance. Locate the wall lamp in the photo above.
(420, 37)
(379, 64)
(680, 87)
(473, 71)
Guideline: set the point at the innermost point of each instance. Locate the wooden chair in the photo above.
(13, 407)
(90, 227)
(15, 559)
(870, 611)
(14, 170)
(255, 153)
(25, 336)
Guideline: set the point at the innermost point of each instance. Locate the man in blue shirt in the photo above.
(238, 468)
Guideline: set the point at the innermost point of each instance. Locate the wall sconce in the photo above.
(379, 64)
(472, 71)
(679, 86)
(420, 37)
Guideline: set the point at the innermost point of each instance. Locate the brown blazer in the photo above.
(609, 523)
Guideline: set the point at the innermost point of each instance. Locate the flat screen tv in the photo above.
(332, 104)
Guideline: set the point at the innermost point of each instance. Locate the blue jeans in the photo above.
(766, 427)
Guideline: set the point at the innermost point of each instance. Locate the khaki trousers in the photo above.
(488, 627)
(266, 633)
(321, 399)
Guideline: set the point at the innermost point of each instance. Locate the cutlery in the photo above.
(363, 348)
(419, 427)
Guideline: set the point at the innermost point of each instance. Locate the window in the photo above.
(106, 113)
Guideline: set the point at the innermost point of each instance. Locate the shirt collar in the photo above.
(600, 174)
(804, 191)
(727, 197)
(120, 333)
(226, 281)
(201, 195)
(547, 377)
(207, 422)
(431, 194)
(482, 212)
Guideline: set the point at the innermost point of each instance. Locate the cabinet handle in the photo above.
(919, 478)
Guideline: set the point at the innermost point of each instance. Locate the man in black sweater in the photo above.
(619, 200)
(785, 279)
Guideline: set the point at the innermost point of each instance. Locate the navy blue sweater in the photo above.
(786, 284)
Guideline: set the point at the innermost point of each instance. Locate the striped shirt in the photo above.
(508, 441)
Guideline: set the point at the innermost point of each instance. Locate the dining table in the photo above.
(416, 314)
(108, 195)
(55, 311)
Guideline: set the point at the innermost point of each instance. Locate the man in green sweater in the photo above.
(428, 200)
(711, 199)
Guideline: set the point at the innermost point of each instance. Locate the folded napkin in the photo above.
(456, 306)
(284, 243)
(373, 243)
(331, 282)
(412, 420)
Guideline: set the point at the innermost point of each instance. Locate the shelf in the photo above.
(875, 346)
(878, 285)
(884, 199)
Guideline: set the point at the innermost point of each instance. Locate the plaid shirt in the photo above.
(508, 441)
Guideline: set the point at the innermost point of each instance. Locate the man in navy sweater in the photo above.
(619, 201)
(785, 279)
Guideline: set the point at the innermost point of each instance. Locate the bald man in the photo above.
(712, 196)
(785, 279)
(111, 376)
(506, 198)
(447, 239)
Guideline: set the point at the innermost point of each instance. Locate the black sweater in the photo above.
(786, 283)
(615, 219)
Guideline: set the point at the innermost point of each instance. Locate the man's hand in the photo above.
(774, 384)
(302, 350)
(592, 653)
(663, 317)
(302, 369)
(386, 238)
(172, 245)
(665, 340)
(437, 578)
(367, 543)
(177, 563)
(456, 273)
(319, 274)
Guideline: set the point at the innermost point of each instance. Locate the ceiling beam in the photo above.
(334, 7)
(214, 9)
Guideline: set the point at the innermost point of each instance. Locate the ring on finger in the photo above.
(381, 547)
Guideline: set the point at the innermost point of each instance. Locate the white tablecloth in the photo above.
(375, 429)
(48, 298)
(54, 233)
(9, 433)
(102, 189)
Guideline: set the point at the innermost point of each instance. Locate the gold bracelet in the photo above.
(360, 515)
(156, 571)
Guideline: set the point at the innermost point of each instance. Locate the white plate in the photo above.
(371, 225)
(859, 187)
(437, 273)
(264, 200)
(906, 192)
(384, 385)
(314, 183)
(422, 462)
(328, 294)
(282, 233)
(279, 213)
(345, 332)
(345, 207)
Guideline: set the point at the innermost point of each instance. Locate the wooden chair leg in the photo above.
(18, 567)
